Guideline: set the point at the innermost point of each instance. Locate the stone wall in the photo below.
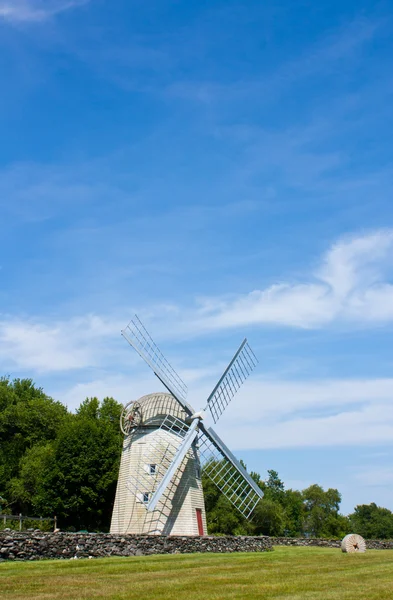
(37, 545)
(370, 544)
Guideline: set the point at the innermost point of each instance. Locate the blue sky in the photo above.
(222, 169)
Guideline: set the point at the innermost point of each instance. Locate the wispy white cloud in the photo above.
(295, 414)
(64, 345)
(350, 285)
(35, 10)
(275, 414)
(376, 476)
(120, 386)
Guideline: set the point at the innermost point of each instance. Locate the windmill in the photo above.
(166, 444)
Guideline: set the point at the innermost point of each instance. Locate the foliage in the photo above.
(372, 521)
(222, 517)
(313, 512)
(321, 512)
(273, 487)
(29, 489)
(293, 504)
(27, 417)
(14, 524)
(269, 518)
(54, 462)
(82, 480)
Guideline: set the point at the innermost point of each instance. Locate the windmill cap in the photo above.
(155, 407)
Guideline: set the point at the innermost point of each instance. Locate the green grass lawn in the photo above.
(296, 573)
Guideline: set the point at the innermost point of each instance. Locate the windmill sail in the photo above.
(227, 473)
(138, 337)
(218, 463)
(169, 448)
(160, 452)
(177, 460)
(232, 379)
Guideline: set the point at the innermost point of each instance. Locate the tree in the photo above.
(72, 469)
(82, 482)
(89, 408)
(372, 521)
(221, 515)
(30, 489)
(274, 488)
(269, 518)
(27, 417)
(294, 512)
(224, 518)
(321, 516)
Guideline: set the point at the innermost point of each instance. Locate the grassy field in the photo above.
(296, 573)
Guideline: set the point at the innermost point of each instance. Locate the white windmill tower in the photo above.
(166, 445)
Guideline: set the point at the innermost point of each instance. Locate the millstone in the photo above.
(353, 543)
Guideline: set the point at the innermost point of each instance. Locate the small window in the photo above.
(152, 469)
(145, 497)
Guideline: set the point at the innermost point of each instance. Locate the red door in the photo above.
(199, 520)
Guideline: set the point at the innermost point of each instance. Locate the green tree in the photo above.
(72, 474)
(27, 417)
(273, 487)
(89, 408)
(321, 512)
(82, 482)
(221, 515)
(268, 518)
(372, 521)
(294, 512)
(30, 489)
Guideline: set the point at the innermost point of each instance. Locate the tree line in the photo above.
(54, 462)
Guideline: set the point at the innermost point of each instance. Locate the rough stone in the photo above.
(30, 546)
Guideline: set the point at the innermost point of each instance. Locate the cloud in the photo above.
(119, 386)
(35, 10)
(274, 414)
(376, 476)
(76, 343)
(349, 286)
(294, 414)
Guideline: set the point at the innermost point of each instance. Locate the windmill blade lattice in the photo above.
(227, 473)
(160, 452)
(177, 460)
(173, 452)
(138, 337)
(232, 379)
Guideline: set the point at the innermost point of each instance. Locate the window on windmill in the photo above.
(145, 497)
(152, 469)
